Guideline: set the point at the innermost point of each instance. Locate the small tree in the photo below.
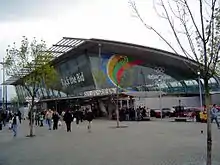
(200, 34)
(30, 64)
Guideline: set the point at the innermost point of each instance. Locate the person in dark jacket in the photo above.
(89, 118)
(68, 118)
(81, 115)
(19, 116)
(4, 118)
(77, 115)
(55, 118)
(41, 119)
(37, 118)
(31, 117)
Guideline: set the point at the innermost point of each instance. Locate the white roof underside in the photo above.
(144, 94)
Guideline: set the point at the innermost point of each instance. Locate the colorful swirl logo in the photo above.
(117, 65)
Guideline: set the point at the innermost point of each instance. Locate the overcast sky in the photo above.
(53, 19)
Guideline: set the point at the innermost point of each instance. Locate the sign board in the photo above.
(101, 92)
(29, 99)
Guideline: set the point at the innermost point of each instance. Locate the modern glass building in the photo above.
(94, 67)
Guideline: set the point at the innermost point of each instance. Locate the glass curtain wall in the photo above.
(111, 68)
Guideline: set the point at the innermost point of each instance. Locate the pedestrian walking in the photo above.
(19, 115)
(81, 115)
(41, 119)
(4, 118)
(214, 115)
(89, 118)
(55, 118)
(68, 118)
(31, 118)
(15, 122)
(49, 115)
(77, 116)
(37, 118)
(1, 120)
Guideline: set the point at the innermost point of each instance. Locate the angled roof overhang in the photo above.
(57, 50)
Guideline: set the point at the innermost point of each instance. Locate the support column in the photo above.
(102, 107)
(120, 104)
(128, 105)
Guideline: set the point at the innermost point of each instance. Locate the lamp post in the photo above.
(4, 88)
(161, 111)
(117, 108)
(200, 90)
(160, 72)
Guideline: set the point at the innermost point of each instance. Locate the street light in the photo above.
(4, 88)
(161, 111)
(200, 90)
(160, 72)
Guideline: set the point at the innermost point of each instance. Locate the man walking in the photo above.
(56, 118)
(77, 116)
(214, 115)
(19, 115)
(68, 118)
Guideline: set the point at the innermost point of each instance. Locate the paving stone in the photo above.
(141, 143)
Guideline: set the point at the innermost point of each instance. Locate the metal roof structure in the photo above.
(63, 46)
(10, 80)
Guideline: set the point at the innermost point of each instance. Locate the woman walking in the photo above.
(49, 116)
(89, 117)
(15, 122)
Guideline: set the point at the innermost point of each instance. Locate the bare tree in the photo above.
(30, 65)
(202, 33)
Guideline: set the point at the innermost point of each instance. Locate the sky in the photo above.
(51, 20)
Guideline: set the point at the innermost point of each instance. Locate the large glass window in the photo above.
(212, 81)
(75, 74)
(191, 82)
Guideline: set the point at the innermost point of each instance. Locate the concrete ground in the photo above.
(141, 143)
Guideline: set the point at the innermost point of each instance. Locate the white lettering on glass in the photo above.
(100, 92)
(72, 79)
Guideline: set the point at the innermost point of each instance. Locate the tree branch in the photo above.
(174, 31)
(211, 21)
(192, 18)
(206, 69)
(184, 23)
(133, 5)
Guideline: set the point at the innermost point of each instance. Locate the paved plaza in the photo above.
(141, 143)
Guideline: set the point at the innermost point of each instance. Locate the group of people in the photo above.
(12, 119)
(6, 116)
(49, 117)
(53, 118)
(130, 114)
(78, 115)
